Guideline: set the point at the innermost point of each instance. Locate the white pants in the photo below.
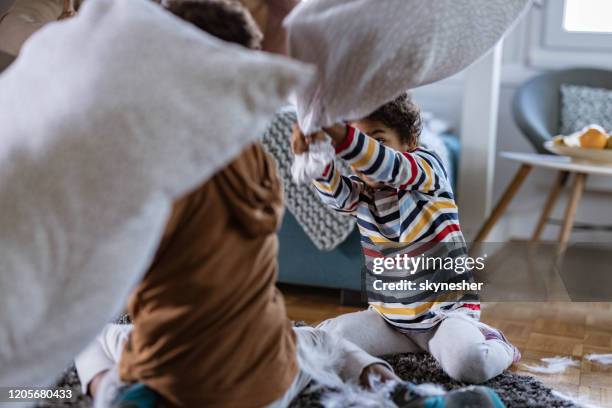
(457, 343)
(320, 355)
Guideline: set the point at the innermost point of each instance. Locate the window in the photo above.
(571, 33)
(588, 16)
(578, 24)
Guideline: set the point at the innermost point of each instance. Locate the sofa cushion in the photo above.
(582, 106)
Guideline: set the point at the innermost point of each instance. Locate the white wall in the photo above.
(444, 100)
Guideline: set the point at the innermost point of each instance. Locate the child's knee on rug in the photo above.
(464, 353)
(477, 363)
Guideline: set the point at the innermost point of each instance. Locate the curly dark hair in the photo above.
(227, 20)
(401, 115)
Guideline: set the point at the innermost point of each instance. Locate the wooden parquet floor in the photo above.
(538, 329)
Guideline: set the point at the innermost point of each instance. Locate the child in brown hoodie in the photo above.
(209, 326)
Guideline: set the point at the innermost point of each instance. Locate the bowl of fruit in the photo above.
(592, 143)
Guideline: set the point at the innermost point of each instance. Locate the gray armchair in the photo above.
(536, 104)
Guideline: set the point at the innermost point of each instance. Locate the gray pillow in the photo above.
(583, 105)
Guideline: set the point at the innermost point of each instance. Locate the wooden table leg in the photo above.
(570, 212)
(550, 204)
(501, 206)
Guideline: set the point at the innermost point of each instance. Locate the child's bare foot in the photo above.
(379, 370)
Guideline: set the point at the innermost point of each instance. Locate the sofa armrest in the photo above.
(301, 263)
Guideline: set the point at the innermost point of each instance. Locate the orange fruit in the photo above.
(593, 138)
(609, 146)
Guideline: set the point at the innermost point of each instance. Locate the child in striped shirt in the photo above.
(404, 205)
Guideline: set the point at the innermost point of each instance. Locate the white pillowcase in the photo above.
(105, 119)
(369, 51)
(311, 165)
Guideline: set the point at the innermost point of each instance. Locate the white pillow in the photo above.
(369, 51)
(105, 119)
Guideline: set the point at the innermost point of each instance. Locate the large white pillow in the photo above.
(104, 120)
(369, 51)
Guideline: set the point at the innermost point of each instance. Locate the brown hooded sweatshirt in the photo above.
(210, 328)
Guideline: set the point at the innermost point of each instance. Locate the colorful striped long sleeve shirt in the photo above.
(414, 209)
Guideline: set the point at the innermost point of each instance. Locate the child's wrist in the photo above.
(337, 133)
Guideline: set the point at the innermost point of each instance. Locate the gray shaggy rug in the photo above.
(515, 390)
